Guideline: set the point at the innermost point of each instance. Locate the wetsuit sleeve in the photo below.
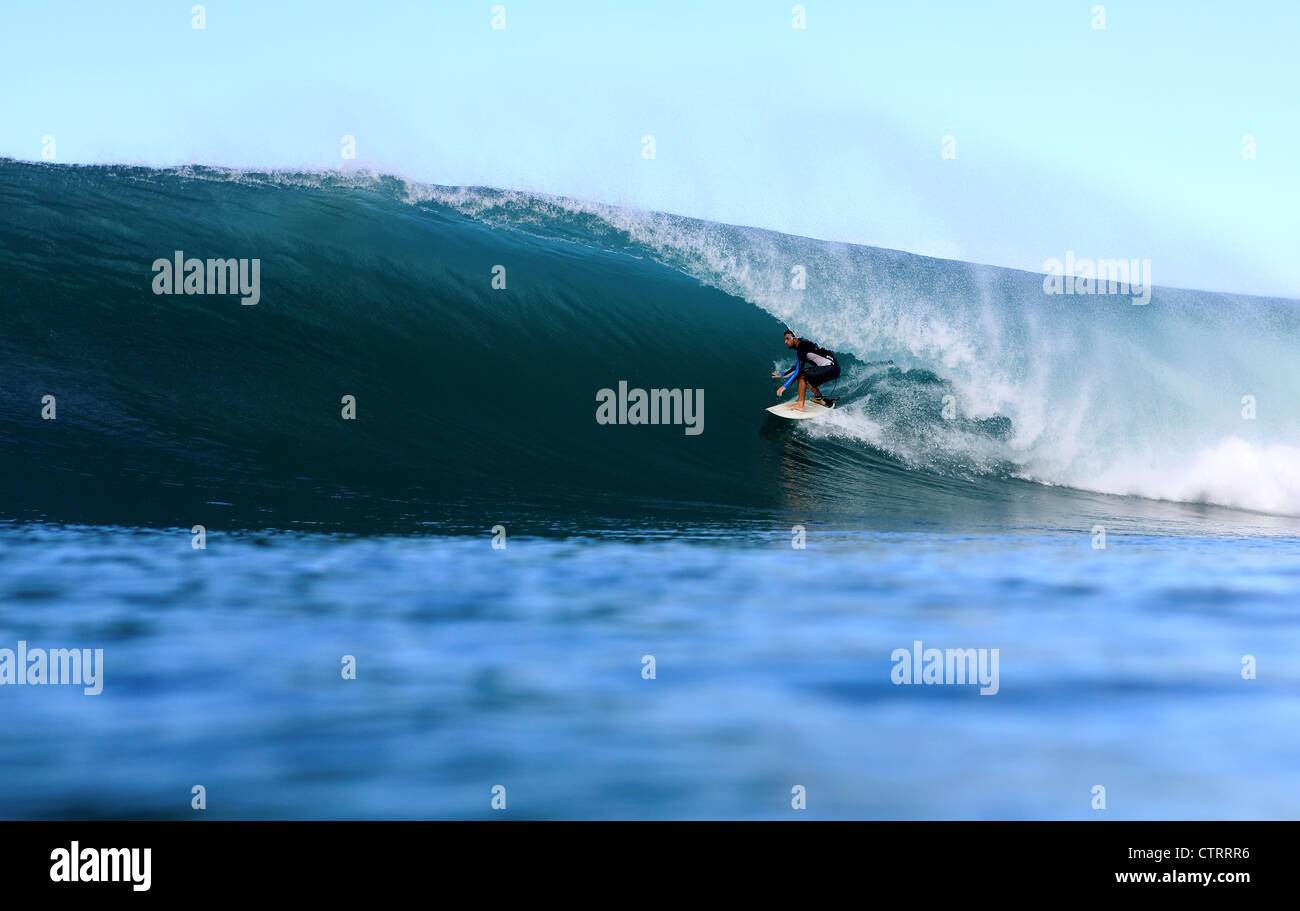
(798, 363)
(794, 371)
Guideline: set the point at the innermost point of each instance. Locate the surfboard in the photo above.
(810, 410)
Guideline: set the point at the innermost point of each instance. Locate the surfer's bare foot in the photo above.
(795, 406)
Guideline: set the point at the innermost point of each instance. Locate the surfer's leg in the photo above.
(803, 391)
(817, 375)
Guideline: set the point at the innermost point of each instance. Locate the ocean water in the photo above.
(771, 570)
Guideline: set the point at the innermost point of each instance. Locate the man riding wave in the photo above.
(813, 366)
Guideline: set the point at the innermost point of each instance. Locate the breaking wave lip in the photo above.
(1097, 396)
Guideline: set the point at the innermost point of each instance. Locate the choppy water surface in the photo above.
(522, 667)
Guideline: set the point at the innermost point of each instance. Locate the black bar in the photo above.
(337, 859)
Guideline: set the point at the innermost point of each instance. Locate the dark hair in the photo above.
(790, 332)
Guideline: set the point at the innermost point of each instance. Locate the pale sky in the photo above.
(1124, 142)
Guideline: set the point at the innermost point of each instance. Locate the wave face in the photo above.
(1096, 393)
(473, 400)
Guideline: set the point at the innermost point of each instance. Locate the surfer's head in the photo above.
(791, 340)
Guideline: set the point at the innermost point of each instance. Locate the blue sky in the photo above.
(1123, 142)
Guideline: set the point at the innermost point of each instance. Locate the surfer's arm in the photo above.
(793, 372)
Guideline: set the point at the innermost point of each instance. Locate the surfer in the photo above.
(813, 366)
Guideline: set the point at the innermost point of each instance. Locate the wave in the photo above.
(1100, 393)
(472, 399)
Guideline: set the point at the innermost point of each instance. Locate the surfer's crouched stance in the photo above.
(812, 367)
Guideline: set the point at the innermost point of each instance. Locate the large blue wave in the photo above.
(474, 400)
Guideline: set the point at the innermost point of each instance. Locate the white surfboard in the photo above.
(810, 410)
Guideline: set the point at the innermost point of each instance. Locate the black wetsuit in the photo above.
(815, 364)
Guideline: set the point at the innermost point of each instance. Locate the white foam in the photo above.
(1232, 472)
